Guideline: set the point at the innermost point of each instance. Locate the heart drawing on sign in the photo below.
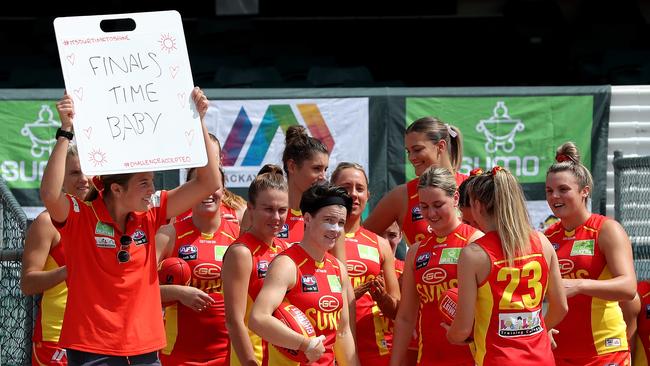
(70, 58)
(174, 71)
(88, 131)
(79, 93)
(189, 136)
(181, 99)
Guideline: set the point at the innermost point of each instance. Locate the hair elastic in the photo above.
(560, 158)
(451, 131)
(496, 169)
(476, 171)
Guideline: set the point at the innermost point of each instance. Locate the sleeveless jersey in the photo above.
(200, 335)
(374, 331)
(508, 326)
(318, 293)
(592, 326)
(414, 227)
(434, 271)
(262, 255)
(294, 227)
(642, 349)
(52, 305)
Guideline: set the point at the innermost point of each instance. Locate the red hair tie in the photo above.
(561, 158)
(476, 171)
(98, 183)
(496, 169)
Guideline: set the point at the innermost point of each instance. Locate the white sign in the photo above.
(252, 132)
(132, 93)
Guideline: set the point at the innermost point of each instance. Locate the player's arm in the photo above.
(557, 301)
(407, 313)
(208, 178)
(237, 267)
(631, 310)
(344, 348)
(615, 246)
(385, 288)
(391, 207)
(40, 238)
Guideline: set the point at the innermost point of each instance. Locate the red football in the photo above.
(295, 319)
(174, 271)
(447, 305)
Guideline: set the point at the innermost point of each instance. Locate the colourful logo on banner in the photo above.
(518, 133)
(276, 116)
(28, 141)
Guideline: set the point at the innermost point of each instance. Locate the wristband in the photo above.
(61, 133)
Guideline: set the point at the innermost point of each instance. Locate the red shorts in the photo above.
(621, 358)
(175, 360)
(48, 353)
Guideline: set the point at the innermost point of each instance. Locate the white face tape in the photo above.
(331, 227)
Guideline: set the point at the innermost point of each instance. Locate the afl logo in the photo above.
(187, 249)
(433, 276)
(416, 213)
(207, 271)
(566, 266)
(328, 303)
(356, 268)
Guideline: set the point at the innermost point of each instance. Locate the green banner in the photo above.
(27, 140)
(517, 133)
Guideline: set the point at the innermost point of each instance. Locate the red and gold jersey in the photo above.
(592, 326)
(642, 349)
(434, 271)
(52, 306)
(399, 267)
(98, 281)
(227, 213)
(374, 331)
(262, 255)
(414, 227)
(318, 293)
(293, 228)
(200, 335)
(509, 326)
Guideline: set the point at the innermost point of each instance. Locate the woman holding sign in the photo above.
(429, 142)
(503, 278)
(430, 270)
(113, 312)
(597, 268)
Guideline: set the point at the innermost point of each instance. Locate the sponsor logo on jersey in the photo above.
(334, 282)
(263, 267)
(519, 324)
(219, 251)
(416, 214)
(613, 342)
(434, 275)
(368, 252)
(104, 229)
(75, 205)
(284, 233)
(356, 268)
(207, 271)
(309, 283)
(583, 247)
(566, 266)
(422, 260)
(647, 311)
(139, 237)
(188, 252)
(328, 303)
(104, 242)
(556, 246)
(449, 255)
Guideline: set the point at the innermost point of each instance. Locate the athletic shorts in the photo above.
(175, 360)
(621, 358)
(48, 354)
(80, 358)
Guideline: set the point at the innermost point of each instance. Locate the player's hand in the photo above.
(551, 333)
(65, 107)
(360, 290)
(571, 287)
(201, 101)
(194, 298)
(315, 349)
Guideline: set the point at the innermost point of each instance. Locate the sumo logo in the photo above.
(356, 268)
(566, 266)
(328, 303)
(207, 271)
(276, 116)
(40, 133)
(500, 116)
(434, 276)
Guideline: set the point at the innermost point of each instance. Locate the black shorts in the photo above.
(80, 358)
